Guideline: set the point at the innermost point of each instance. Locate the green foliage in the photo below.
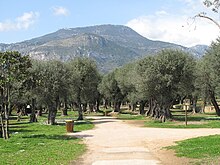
(202, 80)
(163, 78)
(13, 71)
(54, 82)
(213, 4)
(211, 66)
(109, 87)
(127, 80)
(208, 75)
(84, 79)
(13, 67)
(167, 75)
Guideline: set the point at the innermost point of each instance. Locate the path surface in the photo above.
(114, 142)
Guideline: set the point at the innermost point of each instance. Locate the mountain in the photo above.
(110, 45)
(200, 50)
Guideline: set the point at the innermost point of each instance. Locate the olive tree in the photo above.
(84, 79)
(210, 72)
(13, 69)
(48, 85)
(128, 82)
(109, 88)
(164, 77)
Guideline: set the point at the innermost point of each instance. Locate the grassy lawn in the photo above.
(204, 149)
(125, 116)
(193, 120)
(177, 124)
(38, 143)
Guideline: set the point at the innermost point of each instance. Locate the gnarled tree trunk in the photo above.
(160, 111)
(141, 107)
(117, 106)
(52, 114)
(133, 106)
(91, 107)
(194, 102)
(203, 106)
(97, 105)
(214, 102)
(2, 129)
(105, 103)
(33, 117)
(84, 107)
(79, 106)
(64, 111)
(150, 108)
(80, 112)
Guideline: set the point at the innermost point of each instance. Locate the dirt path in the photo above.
(114, 142)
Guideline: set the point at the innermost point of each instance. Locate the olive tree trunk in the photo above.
(141, 107)
(2, 130)
(133, 106)
(214, 102)
(64, 111)
(52, 114)
(33, 117)
(117, 106)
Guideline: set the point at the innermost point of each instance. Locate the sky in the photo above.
(164, 20)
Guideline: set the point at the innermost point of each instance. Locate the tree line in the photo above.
(160, 81)
(50, 85)
(156, 82)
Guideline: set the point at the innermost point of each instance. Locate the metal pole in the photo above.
(186, 115)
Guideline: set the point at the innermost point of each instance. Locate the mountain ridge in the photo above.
(110, 46)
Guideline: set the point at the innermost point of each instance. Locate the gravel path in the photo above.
(114, 142)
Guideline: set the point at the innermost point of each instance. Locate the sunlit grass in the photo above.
(175, 124)
(193, 120)
(128, 116)
(38, 143)
(205, 150)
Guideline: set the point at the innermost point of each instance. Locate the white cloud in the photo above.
(161, 12)
(23, 22)
(59, 10)
(175, 29)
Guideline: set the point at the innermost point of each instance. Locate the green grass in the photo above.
(131, 117)
(204, 149)
(208, 120)
(38, 143)
(174, 124)
(193, 121)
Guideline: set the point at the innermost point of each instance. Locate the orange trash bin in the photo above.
(69, 125)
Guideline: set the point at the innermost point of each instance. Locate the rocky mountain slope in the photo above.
(110, 45)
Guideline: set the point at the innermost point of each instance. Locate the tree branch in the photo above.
(209, 18)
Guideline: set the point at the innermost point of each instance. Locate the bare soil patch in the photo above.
(111, 134)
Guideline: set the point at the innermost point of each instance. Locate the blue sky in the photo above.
(165, 20)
